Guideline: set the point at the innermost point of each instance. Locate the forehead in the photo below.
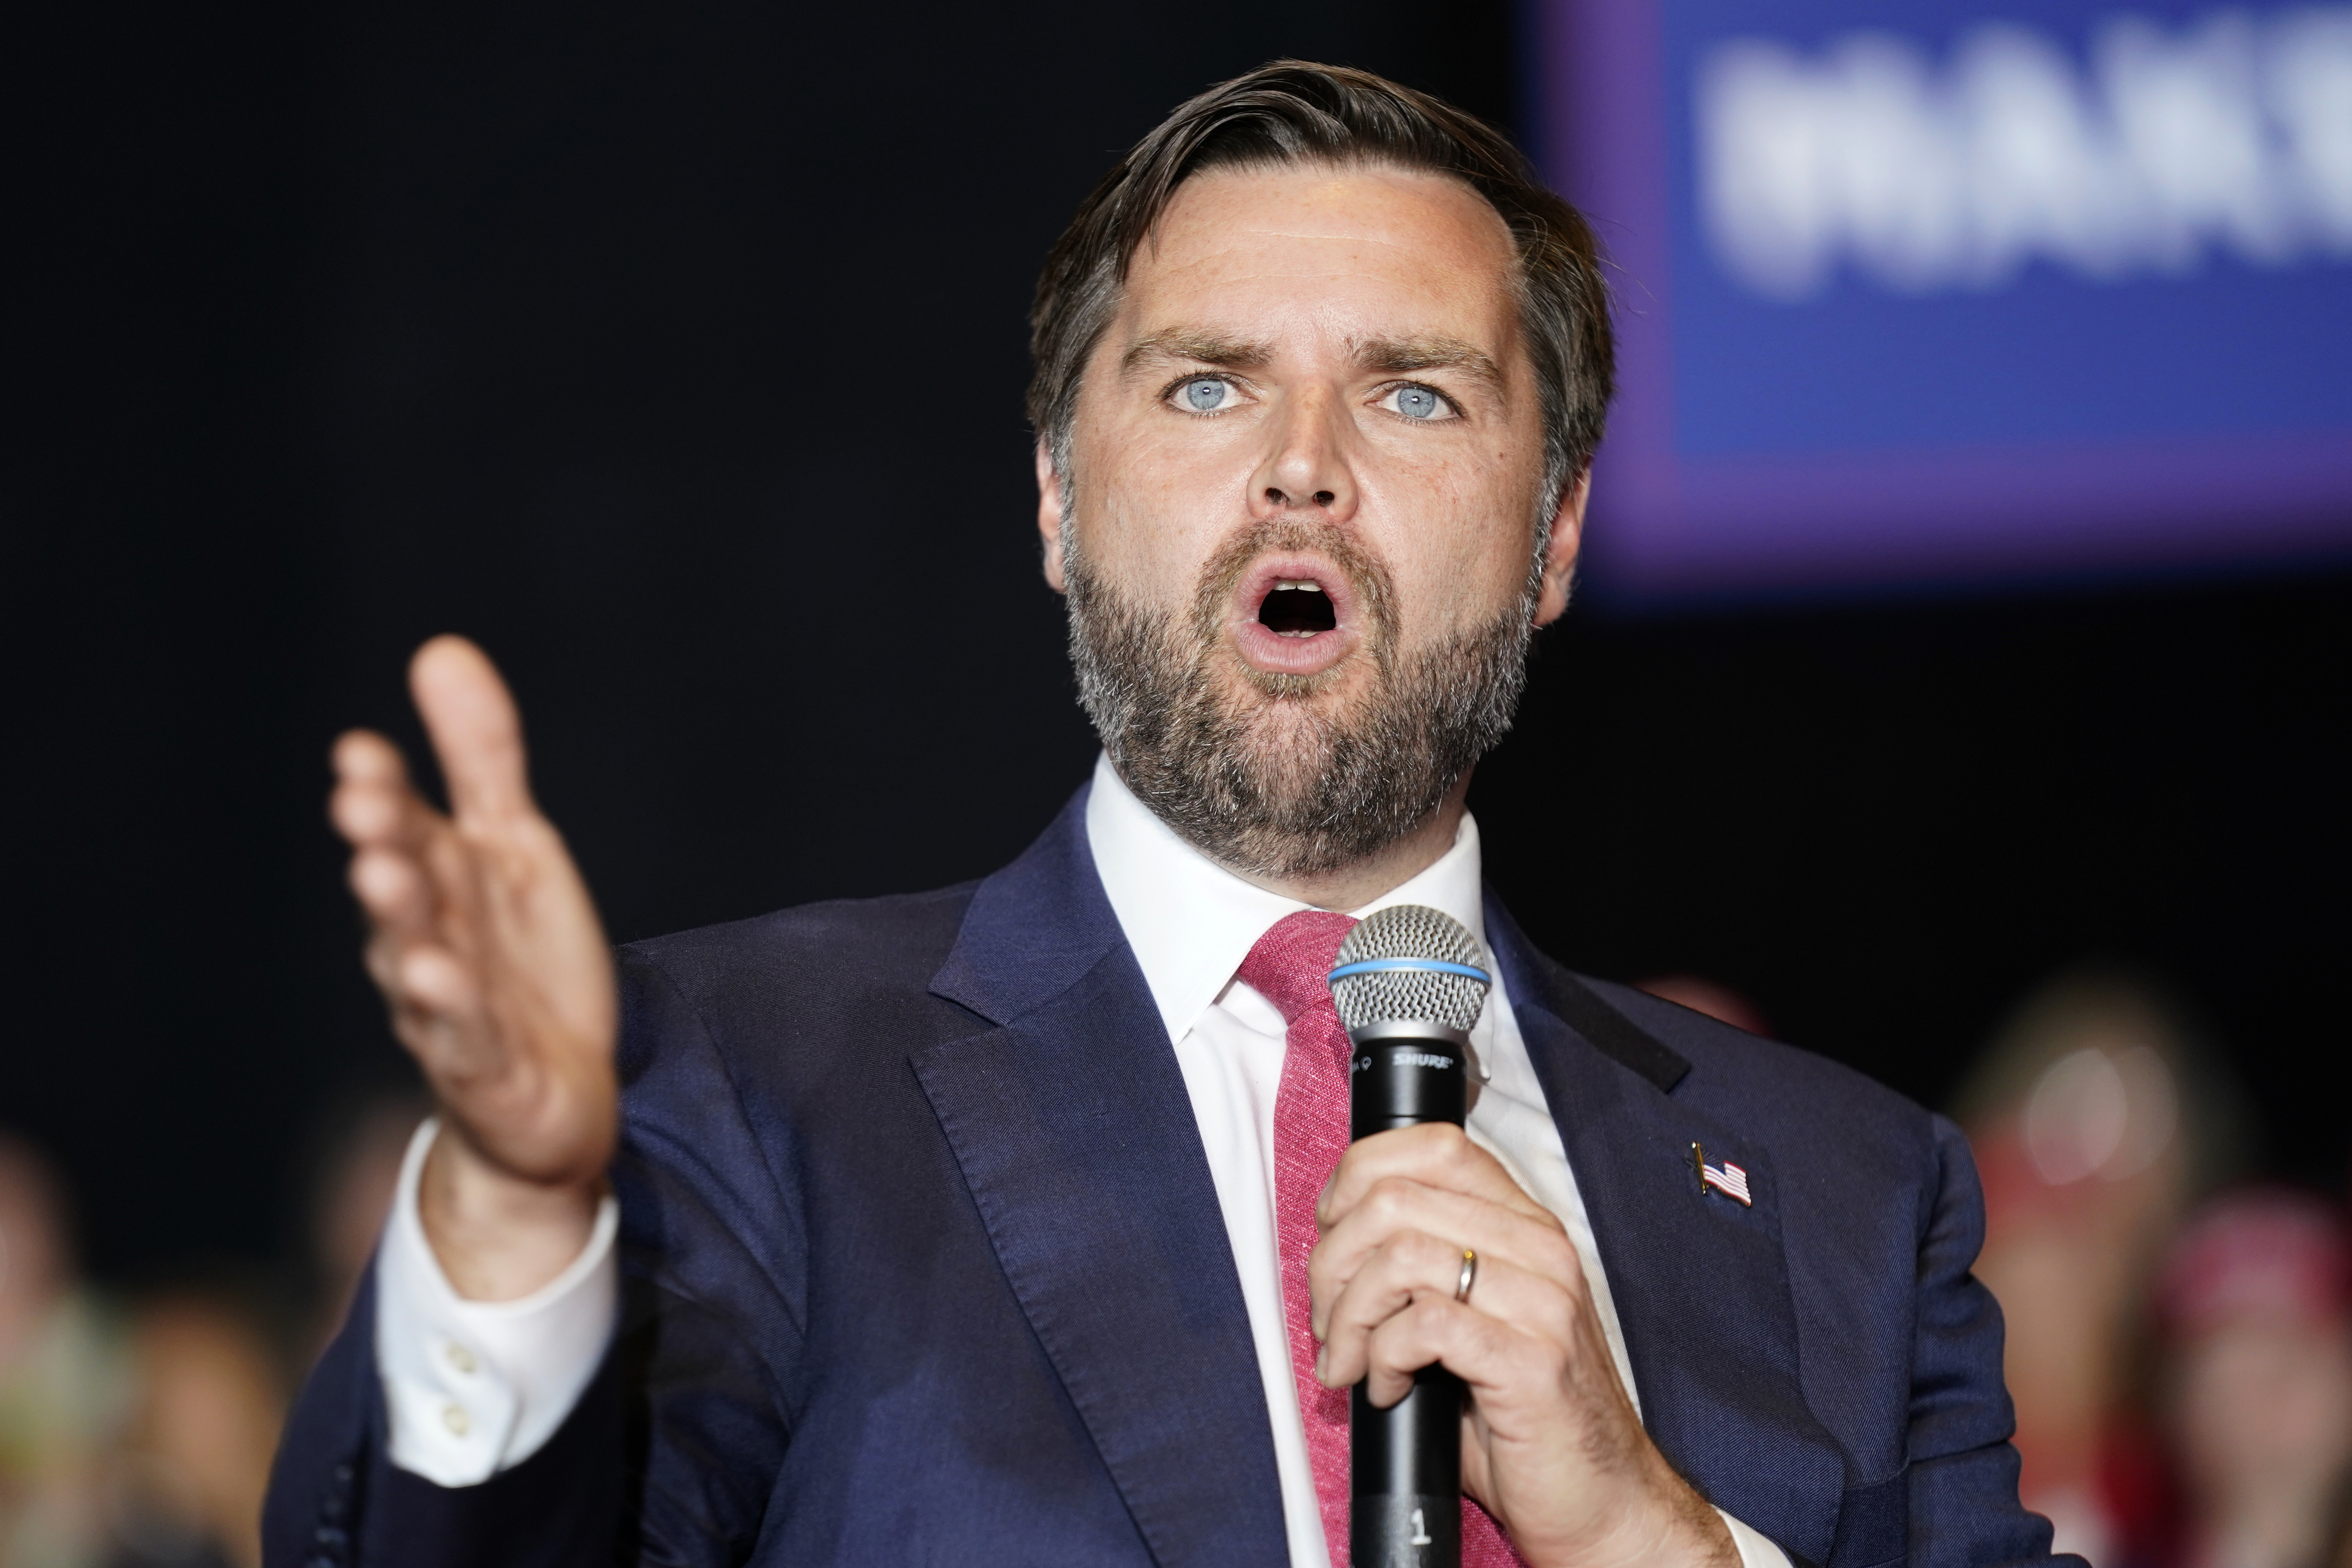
(1372, 249)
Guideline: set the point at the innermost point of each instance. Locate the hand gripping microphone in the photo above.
(1409, 984)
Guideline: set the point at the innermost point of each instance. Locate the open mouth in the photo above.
(1296, 608)
(1294, 613)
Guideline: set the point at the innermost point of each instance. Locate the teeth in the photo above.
(1302, 586)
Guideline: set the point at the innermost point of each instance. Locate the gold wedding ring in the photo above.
(1469, 1275)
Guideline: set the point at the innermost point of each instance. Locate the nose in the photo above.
(1307, 464)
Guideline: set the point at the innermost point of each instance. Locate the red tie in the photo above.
(1290, 967)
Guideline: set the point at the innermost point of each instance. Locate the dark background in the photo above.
(675, 354)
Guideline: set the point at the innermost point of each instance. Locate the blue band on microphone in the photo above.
(1422, 965)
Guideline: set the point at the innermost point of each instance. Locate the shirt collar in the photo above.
(1190, 921)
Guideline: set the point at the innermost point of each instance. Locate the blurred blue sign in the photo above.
(1932, 292)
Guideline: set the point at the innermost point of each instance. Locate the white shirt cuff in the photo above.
(474, 1388)
(1754, 1552)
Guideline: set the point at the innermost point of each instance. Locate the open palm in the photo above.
(483, 938)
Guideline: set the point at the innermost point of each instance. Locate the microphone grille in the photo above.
(1423, 966)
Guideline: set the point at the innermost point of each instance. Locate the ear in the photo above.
(1049, 514)
(1560, 555)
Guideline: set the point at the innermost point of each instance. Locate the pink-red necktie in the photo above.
(1290, 967)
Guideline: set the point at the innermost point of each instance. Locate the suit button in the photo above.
(454, 1417)
(332, 1542)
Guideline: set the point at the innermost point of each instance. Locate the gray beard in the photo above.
(1260, 779)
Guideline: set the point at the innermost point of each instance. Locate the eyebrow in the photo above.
(1199, 346)
(1389, 357)
(1402, 356)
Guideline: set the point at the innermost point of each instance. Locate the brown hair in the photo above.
(1292, 111)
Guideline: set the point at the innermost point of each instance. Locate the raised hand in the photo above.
(486, 947)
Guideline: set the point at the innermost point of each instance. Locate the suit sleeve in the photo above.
(673, 1447)
(1962, 1482)
(714, 1288)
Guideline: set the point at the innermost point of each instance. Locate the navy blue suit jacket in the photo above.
(923, 1263)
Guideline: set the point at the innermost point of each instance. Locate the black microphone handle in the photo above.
(1404, 1463)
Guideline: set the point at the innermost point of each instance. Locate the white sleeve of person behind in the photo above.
(476, 1387)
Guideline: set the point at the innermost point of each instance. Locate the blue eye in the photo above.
(1205, 396)
(1418, 403)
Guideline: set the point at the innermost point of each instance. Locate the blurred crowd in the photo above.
(2179, 1342)
(137, 1428)
(2179, 1339)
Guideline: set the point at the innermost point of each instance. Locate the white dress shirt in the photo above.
(472, 1387)
(513, 1370)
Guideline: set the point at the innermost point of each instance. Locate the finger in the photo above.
(477, 734)
(1519, 1382)
(1526, 1391)
(372, 801)
(390, 887)
(436, 1009)
(1483, 1352)
(1397, 1207)
(418, 975)
(364, 756)
(1437, 1154)
(432, 982)
(1415, 1268)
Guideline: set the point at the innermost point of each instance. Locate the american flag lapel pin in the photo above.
(1729, 1179)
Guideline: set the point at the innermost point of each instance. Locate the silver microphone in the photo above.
(1409, 984)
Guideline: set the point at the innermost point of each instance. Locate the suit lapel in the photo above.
(1700, 1282)
(1072, 1126)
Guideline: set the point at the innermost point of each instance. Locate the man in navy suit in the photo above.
(987, 1225)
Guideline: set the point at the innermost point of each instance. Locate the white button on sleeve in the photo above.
(475, 1387)
(1754, 1552)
